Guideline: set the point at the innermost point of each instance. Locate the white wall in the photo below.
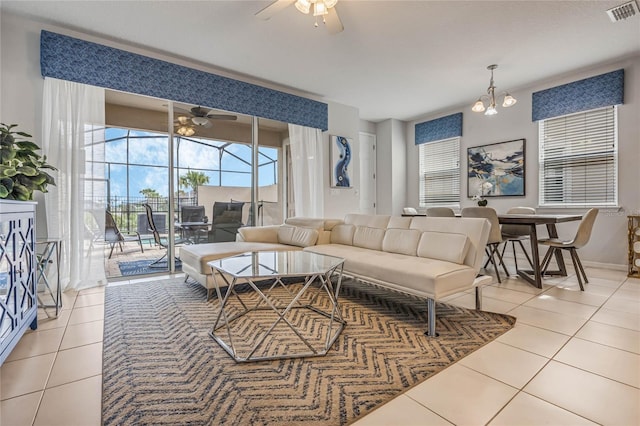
(391, 164)
(609, 240)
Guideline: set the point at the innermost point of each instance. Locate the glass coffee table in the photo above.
(277, 304)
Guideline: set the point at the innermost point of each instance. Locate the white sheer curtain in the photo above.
(308, 170)
(73, 127)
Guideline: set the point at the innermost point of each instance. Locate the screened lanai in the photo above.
(210, 176)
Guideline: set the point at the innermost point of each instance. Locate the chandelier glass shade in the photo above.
(490, 98)
(185, 130)
(320, 7)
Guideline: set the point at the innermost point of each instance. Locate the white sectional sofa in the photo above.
(294, 234)
(429, 257)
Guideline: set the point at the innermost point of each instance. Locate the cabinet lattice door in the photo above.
(18, 304)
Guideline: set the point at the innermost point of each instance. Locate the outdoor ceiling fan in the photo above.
(320, 8)
(197, 116)
(201, 116)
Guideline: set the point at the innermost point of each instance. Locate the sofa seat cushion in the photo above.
(198, 255)
(410, 274)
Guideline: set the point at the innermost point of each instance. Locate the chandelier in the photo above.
(490, 97)
(183, 128)
(185, 131)
(320, 7)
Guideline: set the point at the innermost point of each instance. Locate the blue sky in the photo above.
(148, 151)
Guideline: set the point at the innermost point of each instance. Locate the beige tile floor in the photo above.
(573, 358)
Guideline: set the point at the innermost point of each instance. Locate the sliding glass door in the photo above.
(182, 174)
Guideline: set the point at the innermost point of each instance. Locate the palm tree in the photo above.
(150, 193)
(192, 180)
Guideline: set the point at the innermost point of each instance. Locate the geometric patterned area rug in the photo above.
(160, 366)
(140, 267)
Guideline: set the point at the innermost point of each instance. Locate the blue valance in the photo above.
(591, 93)
(438, 129)
(71, 59)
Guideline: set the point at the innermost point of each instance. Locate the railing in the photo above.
(127, 211)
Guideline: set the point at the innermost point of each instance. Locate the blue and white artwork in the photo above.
(341, 155)
(496, 170)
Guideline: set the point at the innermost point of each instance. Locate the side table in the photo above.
(50, 252)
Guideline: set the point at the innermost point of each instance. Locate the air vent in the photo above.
(623, 11)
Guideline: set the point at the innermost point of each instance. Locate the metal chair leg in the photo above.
(493, 262)
(575, 266)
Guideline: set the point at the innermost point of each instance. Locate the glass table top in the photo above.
(271, 264)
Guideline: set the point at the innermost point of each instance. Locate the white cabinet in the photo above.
(18, 306)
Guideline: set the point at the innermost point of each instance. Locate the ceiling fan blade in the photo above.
(199, 111)
(222, 116)
(181, 110)
(333, 23)
(273, 8)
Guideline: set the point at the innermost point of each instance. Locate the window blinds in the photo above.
(579, 159)
(440, 173)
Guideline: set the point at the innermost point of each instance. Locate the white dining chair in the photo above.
(495, 236)
(517, 234)
(440, 212)
(583, 234)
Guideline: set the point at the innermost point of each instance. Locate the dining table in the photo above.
(534, 276)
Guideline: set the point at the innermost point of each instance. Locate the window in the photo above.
(579, 159)
(440, 173)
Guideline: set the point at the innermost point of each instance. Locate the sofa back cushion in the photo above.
(297, 236)
(367, 237)
(370, 220)
(342, 234)
(402, 241)
(399, 222)
(447, 246)
(305, 222)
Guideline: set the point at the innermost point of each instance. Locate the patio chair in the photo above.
(227, 218)
(193, 214)
(113, 236)
(160, 241)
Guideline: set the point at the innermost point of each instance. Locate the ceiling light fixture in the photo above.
(185, 131)
(490, 97)
(320, 7)
(200, 121)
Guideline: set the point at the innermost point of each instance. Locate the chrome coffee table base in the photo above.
(279, 319)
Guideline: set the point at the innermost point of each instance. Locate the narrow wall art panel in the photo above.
(497, 170)
(341, 156)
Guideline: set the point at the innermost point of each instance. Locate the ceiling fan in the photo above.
(324, 8)
(197, 116)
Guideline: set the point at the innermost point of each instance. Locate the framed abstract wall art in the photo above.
(341, 152)
(496, 170)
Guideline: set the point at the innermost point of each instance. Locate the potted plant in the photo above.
(21, 167)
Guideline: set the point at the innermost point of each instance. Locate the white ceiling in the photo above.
(395, 59)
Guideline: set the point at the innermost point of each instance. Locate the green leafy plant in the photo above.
(21, 167)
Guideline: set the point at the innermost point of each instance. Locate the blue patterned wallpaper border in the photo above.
(72, 59)
(446, 127)
(582, 95)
